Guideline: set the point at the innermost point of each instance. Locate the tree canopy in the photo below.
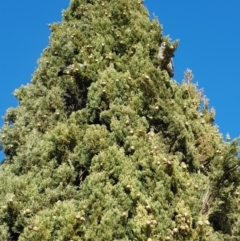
(114, 148)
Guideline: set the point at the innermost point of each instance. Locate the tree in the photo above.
(114, 149)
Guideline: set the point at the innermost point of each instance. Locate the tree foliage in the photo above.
(116, 150)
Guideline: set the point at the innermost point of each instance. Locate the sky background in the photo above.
(209, 34)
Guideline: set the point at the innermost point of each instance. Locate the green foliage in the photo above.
(115, 150)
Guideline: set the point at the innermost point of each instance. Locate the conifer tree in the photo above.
(112, 148)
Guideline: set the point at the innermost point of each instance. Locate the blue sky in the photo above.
(209, 45)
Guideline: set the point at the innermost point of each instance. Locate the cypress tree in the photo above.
(112, 148)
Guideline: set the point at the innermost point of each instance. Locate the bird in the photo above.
(66, 70)
(161, 51)
(170, 68)
(167, 62)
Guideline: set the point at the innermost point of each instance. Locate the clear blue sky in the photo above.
(209, 45)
